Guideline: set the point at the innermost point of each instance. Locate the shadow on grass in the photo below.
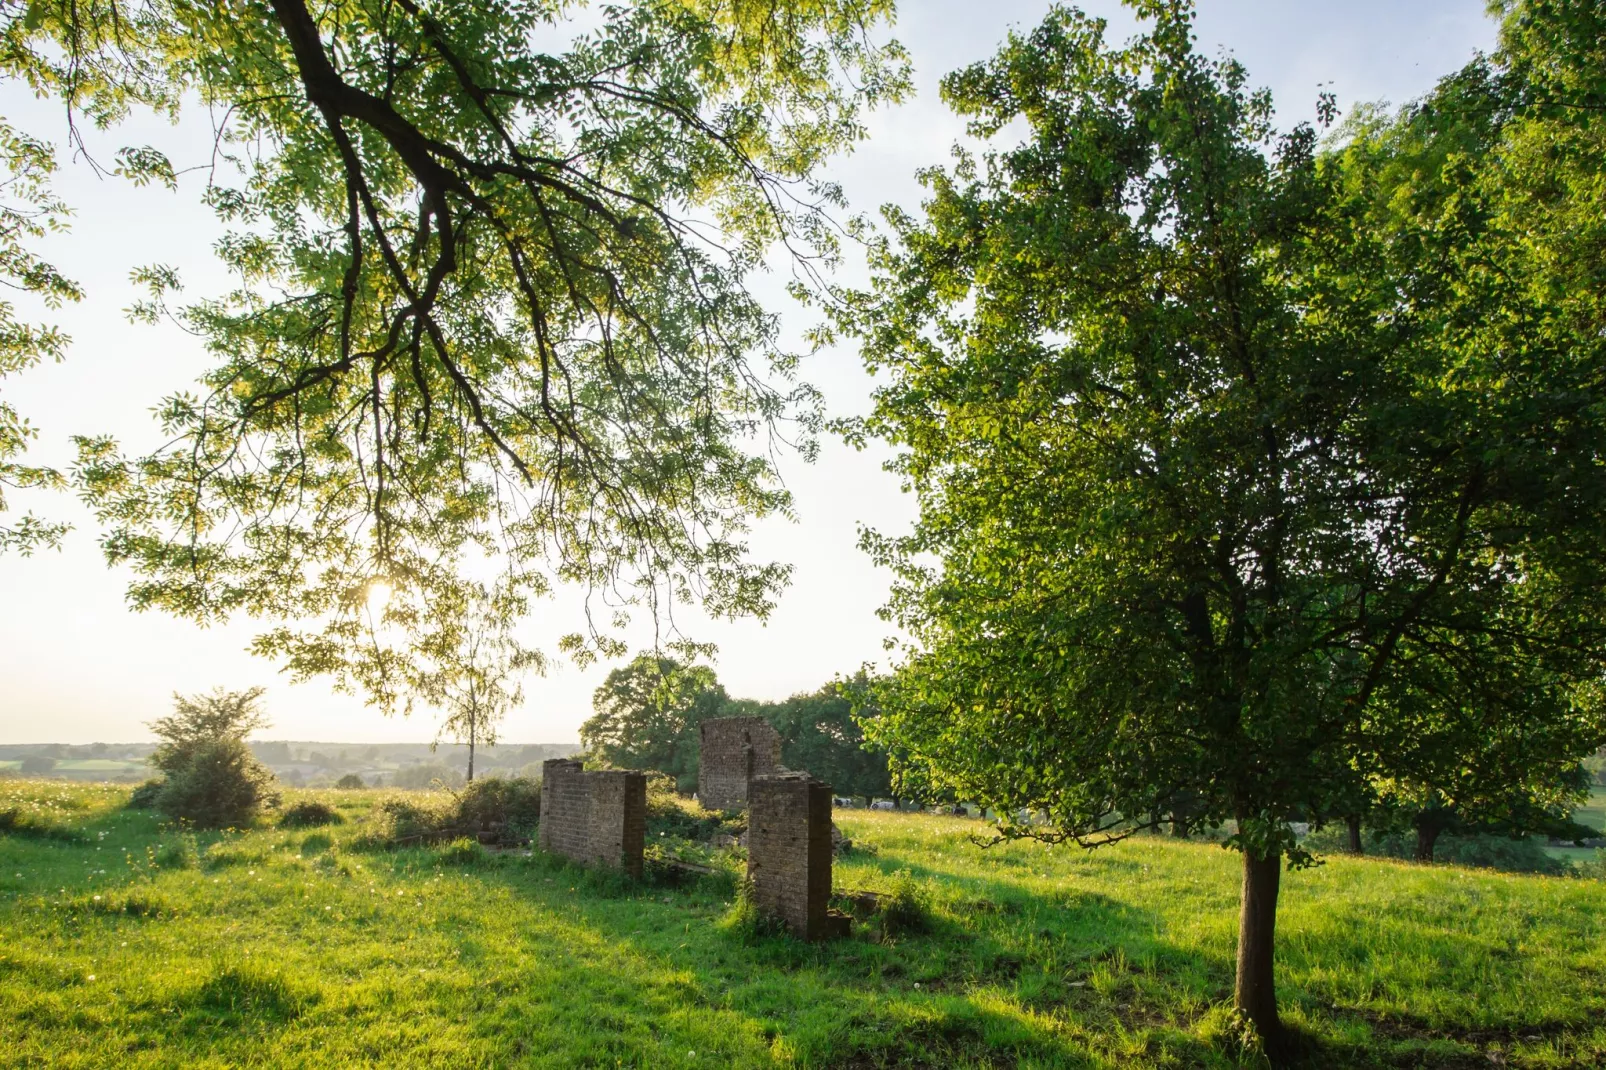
(968, 992)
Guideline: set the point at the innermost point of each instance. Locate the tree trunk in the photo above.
(471, 748)
(1179, 826)
(1353, 823)
(1255, 994)
(1427, 834)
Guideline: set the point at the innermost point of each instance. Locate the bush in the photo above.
(460, 852)
(310, 814)
(906, 906)
(396, 820)
(350, 780)
(181, 853)
(37, 765)
(1485, 852)
(674, 816)
(220, 785)
(144, 797)
(744, 920)
(510, 807)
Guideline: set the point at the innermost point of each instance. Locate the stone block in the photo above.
(789, 852)
(731, 752)
(596, 818)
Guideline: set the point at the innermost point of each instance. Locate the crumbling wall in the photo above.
(732, 751)
(789, 852)
(597, 818)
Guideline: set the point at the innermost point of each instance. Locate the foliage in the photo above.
(671, 815)
(37, 764)
(460, 852)
(821, 732)
(29, 209)
(493, 266)
(1484, 851)
(647, 715)
(1247, 471)
(199, 720)
(479, 665)
(508, 806)
(220, 785)
(211, 778)
(350, 781)
(144, 797)
(905, 907)
(397, 820)
(181, 852)
(309, 813)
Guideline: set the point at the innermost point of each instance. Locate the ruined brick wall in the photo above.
(597, 818)
(732, 751)
(789, 850)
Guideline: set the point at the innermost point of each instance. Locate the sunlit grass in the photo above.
(129, 943)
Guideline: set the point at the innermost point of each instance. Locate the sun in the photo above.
(378, 596)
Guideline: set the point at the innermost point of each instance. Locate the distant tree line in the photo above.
(647, 715)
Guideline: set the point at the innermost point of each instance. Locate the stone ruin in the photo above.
(597, 818)
(789, 853)
(733, 751)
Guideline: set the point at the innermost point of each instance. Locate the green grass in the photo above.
(126, 943)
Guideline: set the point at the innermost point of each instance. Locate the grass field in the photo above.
(123, 943)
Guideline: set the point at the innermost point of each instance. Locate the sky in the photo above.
(77, 666)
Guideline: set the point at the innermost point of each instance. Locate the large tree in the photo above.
(489, 299)
(647, 715)
(1238, 460)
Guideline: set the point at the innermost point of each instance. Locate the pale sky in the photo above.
(77, 666)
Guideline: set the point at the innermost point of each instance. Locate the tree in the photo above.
(477, 676)
(491, 300)
(819, 733)
(1229, 453)
(647, 715)
(37, 765)
(210, 777)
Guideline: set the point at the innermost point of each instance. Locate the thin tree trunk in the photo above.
(1255, 993)
(1427, 834)
(471, 748)
(1353, 823)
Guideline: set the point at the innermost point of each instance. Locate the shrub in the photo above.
(37, 765)
(1594, 868)
(220, 785)
(460, 852)
(676, 817)
(1485, 852)
(212, 778)
(310, 814)
(144, 797)
(745, 920)
(350, 780)
(507, 806)
(180, 853)
(906, 906)
(397, 820)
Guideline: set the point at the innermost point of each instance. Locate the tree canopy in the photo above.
(647, 713)
(489, 301)
(1241, 462)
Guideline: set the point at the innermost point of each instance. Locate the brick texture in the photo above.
(597, 818)
(734, 750)
(789, 851)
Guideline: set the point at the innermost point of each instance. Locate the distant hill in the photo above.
(301, 762)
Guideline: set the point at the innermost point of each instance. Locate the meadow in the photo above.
(126, 942)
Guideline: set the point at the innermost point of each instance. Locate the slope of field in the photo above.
(123, 943)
